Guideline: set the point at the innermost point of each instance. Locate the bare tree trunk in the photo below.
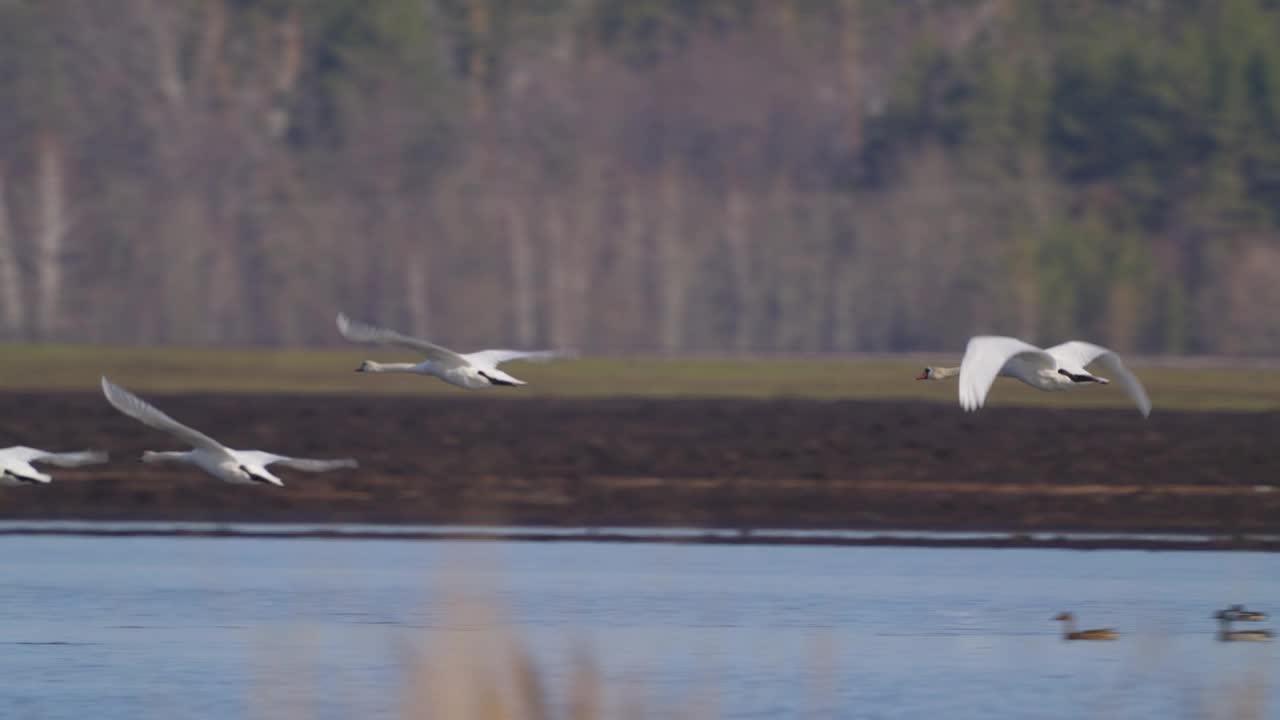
(560, 270)
(586, 229)
(739, 250)
(673, 260)
(51, 230)
(796, 257)
(479, 18)
(573, 223)
(457, 219)
(845, 329)
(14, 311)
(1123, 316)
(823, 262)
(288, 71)
(1027, 287)
(1041, 213)
(225, 282)
(415, 287)
(522, 291)
(851, 67)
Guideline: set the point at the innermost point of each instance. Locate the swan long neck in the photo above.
(370, 366)
(1068, 626)
(940, 373)
(166, 457)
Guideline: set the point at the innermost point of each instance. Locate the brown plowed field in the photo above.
(734, 463)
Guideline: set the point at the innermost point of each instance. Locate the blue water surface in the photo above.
(169, 628)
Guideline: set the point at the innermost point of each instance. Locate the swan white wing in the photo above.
(493, 358)
(66, 459)
(985, 356)
(359, 332)
(304, 464)
(147, 414)
(1077, 354)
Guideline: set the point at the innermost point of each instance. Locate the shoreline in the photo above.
(1065, 540)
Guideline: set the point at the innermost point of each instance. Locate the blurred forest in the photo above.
(643, 175)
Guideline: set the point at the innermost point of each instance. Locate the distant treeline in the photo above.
(638, 175)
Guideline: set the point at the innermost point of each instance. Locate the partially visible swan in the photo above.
(471, 371)
(1069, 631)
(243, 467)
(1057, 368)
(16, 468)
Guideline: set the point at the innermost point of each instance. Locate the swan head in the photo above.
(1063, 616)
(937, 373)
(368, 366)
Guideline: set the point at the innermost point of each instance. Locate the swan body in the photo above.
(241, 467)
(1069, 631)
(471, 370)
(16, 467)
(1061, 367)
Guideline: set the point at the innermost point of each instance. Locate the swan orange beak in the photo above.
(924, 375)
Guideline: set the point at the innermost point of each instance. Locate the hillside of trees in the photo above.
(643, 175)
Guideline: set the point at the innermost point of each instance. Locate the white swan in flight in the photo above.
(16, 468)
(472, 370)
(1057, 368)
(242, 467)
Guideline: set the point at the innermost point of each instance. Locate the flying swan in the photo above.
(1057, 368)
(242, 467)
(472, 370)
(16, 468)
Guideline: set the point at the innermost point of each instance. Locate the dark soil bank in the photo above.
(734, 463)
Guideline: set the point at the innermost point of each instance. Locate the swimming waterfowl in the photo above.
(16, 468)
(1226, 634)
(1069, 631)
(243, 467)
(1238, 613)
(471, 370)
(1060, 367)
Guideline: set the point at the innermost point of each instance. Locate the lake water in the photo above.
(170, 628)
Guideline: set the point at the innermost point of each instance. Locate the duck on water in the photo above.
(1238, 613)
(1069, 631)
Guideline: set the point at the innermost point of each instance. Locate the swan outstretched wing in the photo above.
(1078, 355)
(985, 356)
(304, 464)
(66, 459)
(493, 358)
(359, 332)
(147, 414)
